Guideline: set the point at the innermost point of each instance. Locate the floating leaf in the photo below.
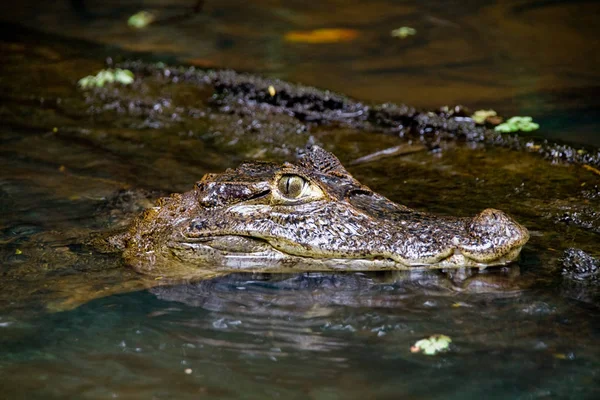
(431, 345)
(122, 76)
(141, 19)
(564, 356)
(516, 124)
(480, 116)
(459, 304)
(403, 32)
(321, 36)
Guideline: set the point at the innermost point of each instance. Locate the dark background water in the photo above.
(518, 332)
(535, 57)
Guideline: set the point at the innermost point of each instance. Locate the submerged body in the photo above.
(308, 216)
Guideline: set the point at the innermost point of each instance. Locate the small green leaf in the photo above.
(432, 345)
(141, 19)
(122, 76)
(403, 32)
(515, 124)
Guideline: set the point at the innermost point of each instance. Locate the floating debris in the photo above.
(403, 32)
(592, 169)
(122, 76)
(564, 356)
(481, 116)
(141, 19)
(515, 124)
(400, 150)
(460, 304)
(321, 36)
(531, 146)
(432, 345)
(18, 251)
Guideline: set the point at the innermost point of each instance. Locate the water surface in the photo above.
(73, 322)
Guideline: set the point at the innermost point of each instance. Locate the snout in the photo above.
(493, 235)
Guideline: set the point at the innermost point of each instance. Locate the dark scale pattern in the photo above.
(243, 93)
(335, 218)
(579, 266)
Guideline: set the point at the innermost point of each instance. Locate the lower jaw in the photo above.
(197, 254)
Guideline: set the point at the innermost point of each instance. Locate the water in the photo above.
(535, 58)
(76, 323)
(306, 336)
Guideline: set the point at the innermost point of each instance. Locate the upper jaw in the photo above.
(490, 238)
(234, 246)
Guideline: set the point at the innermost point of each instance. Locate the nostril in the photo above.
(495, 215)
(494, 237)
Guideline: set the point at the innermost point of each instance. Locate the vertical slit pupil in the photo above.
(291, 185)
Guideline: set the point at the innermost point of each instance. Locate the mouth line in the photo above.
(454, 259)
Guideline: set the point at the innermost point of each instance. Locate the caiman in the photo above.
(312, 215)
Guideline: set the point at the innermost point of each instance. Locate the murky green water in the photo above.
(522, 57)
(321, 337)
(72, 324)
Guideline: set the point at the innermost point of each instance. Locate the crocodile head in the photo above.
(312, 215)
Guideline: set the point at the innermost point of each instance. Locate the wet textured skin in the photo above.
(578, 266)
(312, 215)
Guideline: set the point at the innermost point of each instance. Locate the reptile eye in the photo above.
(292, 186)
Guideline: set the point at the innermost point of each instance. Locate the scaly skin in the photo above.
(309, 216)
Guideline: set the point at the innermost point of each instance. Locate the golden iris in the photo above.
(292, 186)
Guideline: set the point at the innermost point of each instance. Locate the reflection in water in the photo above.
(295, 310)
(309, 335)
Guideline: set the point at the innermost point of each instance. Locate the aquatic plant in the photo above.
(141, 19)
(432, 345)
(122, 76)
(403, 32)
(515, 124)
